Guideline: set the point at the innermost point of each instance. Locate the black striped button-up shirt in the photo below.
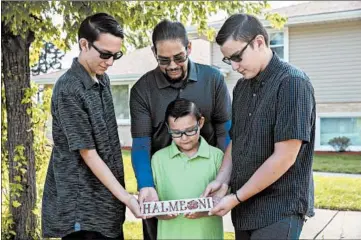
(83, 118)
(277, 105)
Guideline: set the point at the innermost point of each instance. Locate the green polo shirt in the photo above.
(176, 176)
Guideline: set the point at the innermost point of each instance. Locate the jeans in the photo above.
(287, 228)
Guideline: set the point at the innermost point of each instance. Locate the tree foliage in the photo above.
(50, 58)
(25, 27)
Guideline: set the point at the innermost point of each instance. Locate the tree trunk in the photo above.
(16, 77)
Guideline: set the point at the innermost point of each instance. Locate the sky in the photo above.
(67, 59)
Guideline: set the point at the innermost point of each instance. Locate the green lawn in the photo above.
(338, 193)
(340, 163)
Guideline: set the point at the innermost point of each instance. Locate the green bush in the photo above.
(340, 144)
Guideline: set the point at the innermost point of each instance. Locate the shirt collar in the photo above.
(273, 65)
(162, 81)
(203, 150)
(83, 74)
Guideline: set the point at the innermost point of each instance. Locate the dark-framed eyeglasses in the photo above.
(190, 132)
(178, 59)
(106, 55)
(237, 57)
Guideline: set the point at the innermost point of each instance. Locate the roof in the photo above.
(305, 13)
(318, 7)
(134, 64)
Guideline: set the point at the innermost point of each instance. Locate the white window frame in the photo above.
(285, 41)
(122, 122)
(318, 146)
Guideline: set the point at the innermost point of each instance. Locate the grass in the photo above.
(338, 193)
(130, 180)
(340, 163)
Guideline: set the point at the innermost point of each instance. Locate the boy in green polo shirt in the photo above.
(183, 170)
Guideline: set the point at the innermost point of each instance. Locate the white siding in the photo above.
(331, 56)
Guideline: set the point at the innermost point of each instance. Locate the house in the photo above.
(320, 37)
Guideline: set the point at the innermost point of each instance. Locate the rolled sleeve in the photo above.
(75, 123)
(295, 110)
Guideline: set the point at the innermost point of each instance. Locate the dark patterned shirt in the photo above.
(275, 106)
(83, 118)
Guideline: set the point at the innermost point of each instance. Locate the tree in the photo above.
(49, 58)
(26, 24)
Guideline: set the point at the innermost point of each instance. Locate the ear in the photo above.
(83, 44)
(154, 51)
(201, 122)
(260, 42)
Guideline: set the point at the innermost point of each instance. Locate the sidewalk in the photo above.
(326, 224)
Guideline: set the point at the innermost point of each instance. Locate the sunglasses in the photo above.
(237, 57)
(177, 59)
(177, 134)
(106, 55)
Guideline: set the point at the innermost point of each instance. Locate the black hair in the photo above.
(243, 27)
(182, 107)
(94, 25)
(168, 30)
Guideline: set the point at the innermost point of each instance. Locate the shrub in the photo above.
(340, 144)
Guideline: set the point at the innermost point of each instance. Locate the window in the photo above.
(121, 102)
(341, 127)
(277, 43)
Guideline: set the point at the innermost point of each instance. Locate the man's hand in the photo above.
(147, 194)
(167, 217)
(224, 206)
(215, 188)
(134, 206)
(196, 215)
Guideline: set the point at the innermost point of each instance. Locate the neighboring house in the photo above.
(321, 37)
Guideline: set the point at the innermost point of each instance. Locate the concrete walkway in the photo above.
(326, 224)
(353, 175)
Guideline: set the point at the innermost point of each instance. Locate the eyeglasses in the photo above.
(106, 55)
(237, 57)
(179, 58)
(177, 134)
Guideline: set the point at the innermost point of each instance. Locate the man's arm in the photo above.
(107, 178)
(223, 176)
(283, 157)
(141, 127)
(221, 117)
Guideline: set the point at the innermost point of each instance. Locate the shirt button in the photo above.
(249, 114)
(254, 94)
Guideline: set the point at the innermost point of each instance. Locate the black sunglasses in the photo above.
(177, 59)
(177, 134)
(237, 57)
(106, 55)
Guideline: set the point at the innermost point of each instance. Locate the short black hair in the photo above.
(168, 30)
(94, 25)
(182, 107)
(243, 27)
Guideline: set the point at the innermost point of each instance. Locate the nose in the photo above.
(234, 65)
(172, 64)
(184, 137)
(110, 61)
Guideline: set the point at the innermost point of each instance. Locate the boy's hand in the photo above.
(167, 217)
(196, 215)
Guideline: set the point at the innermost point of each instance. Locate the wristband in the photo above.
(238, 198)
